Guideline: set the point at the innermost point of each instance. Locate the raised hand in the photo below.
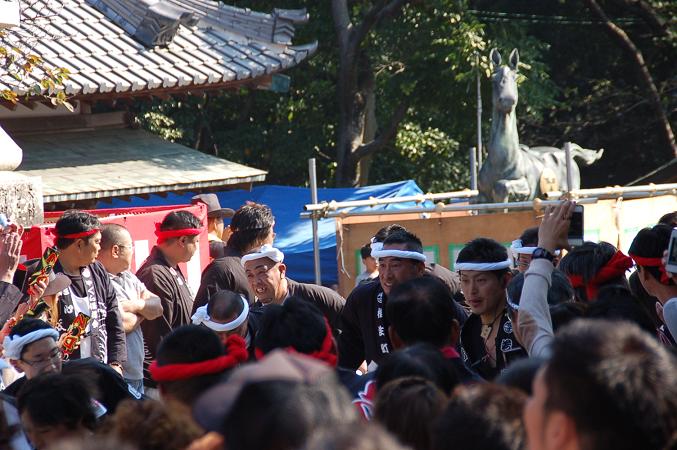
(10, 249)
(553, 231)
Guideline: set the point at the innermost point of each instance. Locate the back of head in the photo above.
(224, 305)
(112, 234)
(669, 219)
(586, 261)
(281, 415)
(616, 383)
(484, 250)
(567, 312)
(618, 303)
(521, 374)
(482, 417)
(179, 220)
(407, 408)
(359, 436)
(421, 310)
(650, 243)
(297, 324)
(53, 400)
(189, 344)
(419, 360)
(560, 290)
(251, 225)
(152, 425)
(73, 222)
(365, 251)
(410, 241)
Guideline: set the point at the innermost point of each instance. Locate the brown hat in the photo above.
(213, 206)
(213, 406)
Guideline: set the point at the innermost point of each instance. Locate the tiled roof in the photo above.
(114, 162)
(131, 46)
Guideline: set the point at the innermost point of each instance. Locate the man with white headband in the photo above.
(488, 343)
(229, 313)
(364, 334)
(267, 277)
(32, 348)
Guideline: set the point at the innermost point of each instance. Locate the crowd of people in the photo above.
(540, 346)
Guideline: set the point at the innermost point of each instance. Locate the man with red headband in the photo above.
(88, 311)
(647, 251)
(592, 266)
(178, 239)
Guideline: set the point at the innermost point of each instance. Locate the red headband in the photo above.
(326, 353)
(80, 235)
(237, 353)
(450, 352)
(652, 262)
(614, 268)
(164, 235)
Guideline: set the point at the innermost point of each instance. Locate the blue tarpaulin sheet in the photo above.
(294, 236)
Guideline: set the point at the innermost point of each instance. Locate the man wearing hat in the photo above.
(215, 216)
(267, 277)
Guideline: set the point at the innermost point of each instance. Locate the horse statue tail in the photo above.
(585, 156)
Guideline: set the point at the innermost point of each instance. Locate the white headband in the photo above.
(376, 247)
(14, 345)
(517, 248)
(265, 251)
(399, 254)
(202, 317)
(483, 266)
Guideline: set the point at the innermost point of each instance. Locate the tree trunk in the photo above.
(368, 135)
(636, 56)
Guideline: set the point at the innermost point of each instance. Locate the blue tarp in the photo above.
(294, 235)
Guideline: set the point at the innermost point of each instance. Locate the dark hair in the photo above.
(178, 220)
(251, 225)
(566, 312)
(520, 374)
(152, 425)
(529, 237)
(410, 240)
(407, 408)
(618, 385)
(28, 325)
(189, 344)
(618, 303)
(74, 221)
(586, 260)
(56, 399)
(669, 219)
(225, 305)
(651, 243)
(484, 250)
(111, 234)
(560, 290)
(645, 299)
(296, 323)
(422, 310)
(365, 252)
(483, 416)
(383, 233)
(281, 415)
(418, 360)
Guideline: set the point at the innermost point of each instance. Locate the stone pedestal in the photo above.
(21, 198)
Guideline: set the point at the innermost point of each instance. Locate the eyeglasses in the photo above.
(54, 355)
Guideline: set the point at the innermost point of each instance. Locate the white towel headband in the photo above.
(517, 248)
(483, 266)
(265, 251)
(202, 317)
(13, 345)
(399, 254)
(375, 248)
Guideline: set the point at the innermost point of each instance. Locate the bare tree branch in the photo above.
(649, 15)
(384, 137)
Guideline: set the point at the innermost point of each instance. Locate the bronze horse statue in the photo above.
(514, 172)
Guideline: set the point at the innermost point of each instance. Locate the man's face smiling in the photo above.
(393, 270)
(265, 279)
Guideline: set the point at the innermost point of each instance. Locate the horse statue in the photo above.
(514, 172)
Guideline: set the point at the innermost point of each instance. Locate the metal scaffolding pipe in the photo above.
(439, 208)
(618, 191)
(332, 206)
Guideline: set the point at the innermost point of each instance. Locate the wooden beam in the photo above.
(61, 123)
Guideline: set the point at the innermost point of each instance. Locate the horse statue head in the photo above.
(504, 81)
